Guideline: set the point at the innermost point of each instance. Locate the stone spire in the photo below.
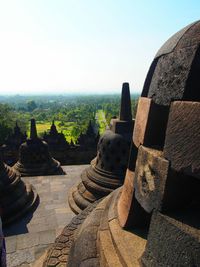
(107, 170)
(159, 202)
(124, 124)
(33, 131)
(53, 130)
(125, 109)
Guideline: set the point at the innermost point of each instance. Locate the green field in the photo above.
(100, 118)
(44, 126)
(67, 127)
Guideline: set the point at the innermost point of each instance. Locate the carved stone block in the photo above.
(171, 243)
(150, 123)
(150, 178)
(182, 143)
(157, 186)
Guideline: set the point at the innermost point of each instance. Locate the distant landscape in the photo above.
(71, 113)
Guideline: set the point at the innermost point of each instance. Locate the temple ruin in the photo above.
(35, 158)
(16, 197)
(107, 170)
(153, 219)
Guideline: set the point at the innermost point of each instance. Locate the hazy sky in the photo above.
(62, 46)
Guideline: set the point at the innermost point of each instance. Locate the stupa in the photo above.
(16, 197)
(12, 143)
(58, 146)
(35, 158)
(107, 170)
(89, 139)
(154, 219)
(56, 140)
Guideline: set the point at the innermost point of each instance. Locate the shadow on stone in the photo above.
(20, 225)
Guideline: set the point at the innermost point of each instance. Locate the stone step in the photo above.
(108, 253)
(80, 201)
(107, 250)
(86, 194)
(95, 188)
(104, 178)
(121, 238)
(72, 204)
(113, 239)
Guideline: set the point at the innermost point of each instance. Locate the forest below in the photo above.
(71, 113)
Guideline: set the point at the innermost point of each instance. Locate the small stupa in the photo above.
(16, 196)
(89, 139)
(11, 146)
(107, 170)
(35, 158)
(56, 140)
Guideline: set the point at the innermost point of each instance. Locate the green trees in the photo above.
(71, 113)
(31, 105)
(6, 121)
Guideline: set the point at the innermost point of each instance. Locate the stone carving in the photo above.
(153, 220)
(16, 197)
(11, 147)
(107, 170)
(35, 158)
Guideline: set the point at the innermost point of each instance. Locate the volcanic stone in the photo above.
(16, 197)
(182, 143)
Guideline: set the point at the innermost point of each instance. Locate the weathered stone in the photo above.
(150, 123)
(107, 170)
(150, 178)
(53, 262)
(11, 146)
(125, 108)
(171, 242)
(141, 120)
(108, 253)
(124, 203)
(157, 187)
(69, 231)
(175, 74)
(16, 197)
(182, 143)
(173, 238)
(56, 253)
(34, 157)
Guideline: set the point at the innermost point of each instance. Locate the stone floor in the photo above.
(27, 239)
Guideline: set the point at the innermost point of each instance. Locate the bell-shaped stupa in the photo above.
(107, 170)
(153, 220)
(16, 196)
(35, 158)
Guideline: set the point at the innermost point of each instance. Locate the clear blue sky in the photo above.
(65, 46)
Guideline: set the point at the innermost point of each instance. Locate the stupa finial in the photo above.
(33, 132)
(125, 109)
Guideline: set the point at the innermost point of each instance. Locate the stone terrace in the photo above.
(28, 238)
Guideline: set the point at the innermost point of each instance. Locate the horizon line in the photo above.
(65, 94)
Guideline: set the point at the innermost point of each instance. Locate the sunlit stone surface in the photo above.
(160, 196)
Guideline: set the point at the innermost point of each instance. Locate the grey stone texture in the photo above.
(107, 171)
(153, 220)
(29, 237)
(182, 142)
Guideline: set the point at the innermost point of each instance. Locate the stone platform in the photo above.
(29, 237)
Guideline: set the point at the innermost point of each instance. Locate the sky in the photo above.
(84, 46)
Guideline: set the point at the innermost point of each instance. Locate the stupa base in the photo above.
(98, 228)
(53, 168)
(93, 186)
(21, 206)
(95, 238)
